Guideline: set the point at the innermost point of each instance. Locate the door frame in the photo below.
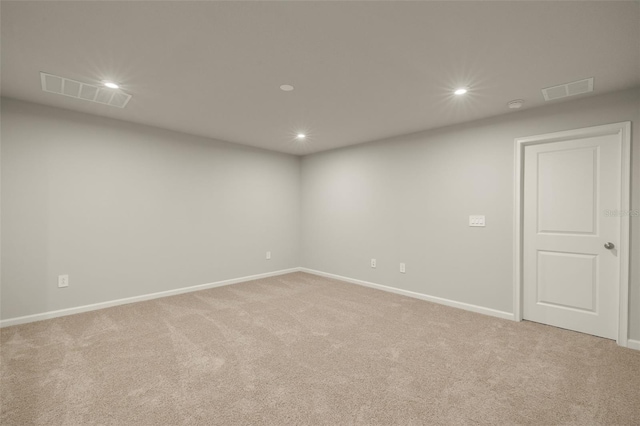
(623, 131)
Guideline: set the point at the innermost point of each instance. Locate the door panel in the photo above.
(567, 280)
(570, 278)
(556, 211)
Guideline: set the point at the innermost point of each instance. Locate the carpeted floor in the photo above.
(300, 349)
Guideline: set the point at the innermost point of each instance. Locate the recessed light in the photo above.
(110, 84)
(461, 91)
(301, 136)
(286, 87)
(516, 104)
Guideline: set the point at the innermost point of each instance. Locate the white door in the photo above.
(571, 232)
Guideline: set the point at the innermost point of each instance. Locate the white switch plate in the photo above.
(268, 255)
(476, 221)
(403, 268)
(373, 263)
(63, 281)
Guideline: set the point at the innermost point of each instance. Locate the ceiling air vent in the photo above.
(569, 89)
(88, 92)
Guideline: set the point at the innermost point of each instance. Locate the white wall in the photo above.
(408, 198)
(127, 210)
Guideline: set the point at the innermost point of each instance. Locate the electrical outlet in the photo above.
(403, 268)
(268, 255)
(373, 263)
(63, 281)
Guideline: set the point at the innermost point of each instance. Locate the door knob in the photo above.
(609, 246)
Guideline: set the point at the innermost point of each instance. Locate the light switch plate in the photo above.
(476, 220)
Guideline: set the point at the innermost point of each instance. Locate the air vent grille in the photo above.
(568, 89)
(88, 92)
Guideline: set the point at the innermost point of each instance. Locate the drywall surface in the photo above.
(128, 210)
(408, 199)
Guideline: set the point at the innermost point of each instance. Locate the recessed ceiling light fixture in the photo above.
(286, 87)
(461, 91)
(301, 136)
(110, 84)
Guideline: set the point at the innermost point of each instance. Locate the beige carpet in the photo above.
(300, 349)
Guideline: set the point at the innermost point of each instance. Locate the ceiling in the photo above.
(362, 70)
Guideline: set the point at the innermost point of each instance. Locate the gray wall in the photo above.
(407, 199)
(127, 210)
(155, 210)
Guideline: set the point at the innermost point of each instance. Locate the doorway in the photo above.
(572, 230)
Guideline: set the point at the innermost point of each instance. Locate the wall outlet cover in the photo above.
(63, 281)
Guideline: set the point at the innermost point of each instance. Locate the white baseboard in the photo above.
(434, 299)
(86, 308)
(633, 344)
